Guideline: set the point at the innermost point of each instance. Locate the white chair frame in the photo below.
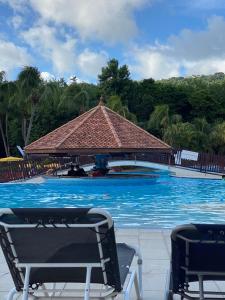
(187, 293)
(135, 278)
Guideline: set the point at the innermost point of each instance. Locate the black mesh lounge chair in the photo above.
(198, 254)
(44, 246)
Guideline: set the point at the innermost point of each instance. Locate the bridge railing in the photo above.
(162, 158)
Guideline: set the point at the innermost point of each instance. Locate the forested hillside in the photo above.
(185, 112)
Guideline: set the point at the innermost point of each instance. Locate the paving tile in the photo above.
(168, 243)
(147, 295)
(154, 249)
(150, 235)
(2, 258)
(6, 283)
(154, 282)
(3, 295)
(153, 295)
(3, 268)
(128, 232)
(166, 232)
(127, 239)
(155, 266)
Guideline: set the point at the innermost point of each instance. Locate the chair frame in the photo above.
(186, 292)
(135, 278)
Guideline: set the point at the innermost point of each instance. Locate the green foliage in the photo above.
(185, 112)
(217, 138)
(115, 103)
(159, 119)
(114, 80)
(180, 135)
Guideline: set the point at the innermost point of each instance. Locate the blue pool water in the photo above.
(151, 203)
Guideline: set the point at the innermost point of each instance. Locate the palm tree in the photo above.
(203, 130)
(30, 88)
(159, 118)
(115, 103)
(74, 98)
(7, 90)
(2, 76)
(113, 78)
(217, 138)
(180, 135)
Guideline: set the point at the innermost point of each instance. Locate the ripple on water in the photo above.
(162, 203)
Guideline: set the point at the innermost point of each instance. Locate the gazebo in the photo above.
(98, 131)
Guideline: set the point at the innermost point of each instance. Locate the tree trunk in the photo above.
(30, 125)
(3, 138)
(24, 129)
(6, 133)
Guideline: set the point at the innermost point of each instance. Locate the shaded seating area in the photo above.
(198, 255)
(69, 245)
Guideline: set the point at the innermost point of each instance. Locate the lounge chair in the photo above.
(198, 255)
(57, 246)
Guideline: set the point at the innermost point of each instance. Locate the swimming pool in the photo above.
(146, 203)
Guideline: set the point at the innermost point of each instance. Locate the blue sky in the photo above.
(155, 38)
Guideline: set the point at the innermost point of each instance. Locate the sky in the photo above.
(155, 38)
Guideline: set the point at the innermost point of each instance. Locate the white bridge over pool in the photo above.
(135, 163)
(173, 170)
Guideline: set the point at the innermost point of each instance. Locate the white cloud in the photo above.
(196, 52)
(16, 21)
(151, 63)
(12, 56)
(204, 4)
(61, 53)
(195, 45)
(109, 21)
(17, 5)
(90, 63)
(46, 76)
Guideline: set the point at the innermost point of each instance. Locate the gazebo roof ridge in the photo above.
(90, 111)
(137, 126)
(103, 107)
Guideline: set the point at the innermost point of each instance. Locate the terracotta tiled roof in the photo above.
(98, 130)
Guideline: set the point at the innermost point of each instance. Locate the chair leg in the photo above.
(137, 288)
(201, 287)
(11, 294)
(87, 285)
(26, 284)
(43, 287)
(140, 262)
(129, 286)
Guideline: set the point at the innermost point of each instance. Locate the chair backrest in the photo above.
(60, 235)
(197, 248)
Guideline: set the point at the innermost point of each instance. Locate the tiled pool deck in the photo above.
(155, 249)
